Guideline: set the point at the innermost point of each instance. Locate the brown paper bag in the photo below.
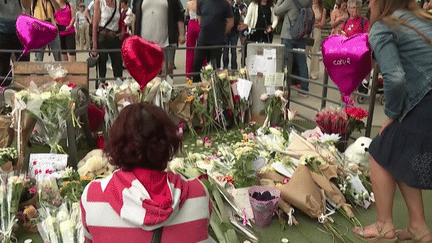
(6, 132)
(329, 171)
(299, 147)
(303, 193)
(151, 94)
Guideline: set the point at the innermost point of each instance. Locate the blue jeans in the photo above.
(55, 48)
(299, 59)
(230, 39)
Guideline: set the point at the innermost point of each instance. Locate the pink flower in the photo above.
(36, 172)
(32, 190)
(71, 85)
(251, 135)
(237, 99)
(207, 139)
(34, 162)
(229, 112)
(286, 180)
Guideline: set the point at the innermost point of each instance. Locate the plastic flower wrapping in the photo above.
(61, 224)
(51, 104)
(11, 186)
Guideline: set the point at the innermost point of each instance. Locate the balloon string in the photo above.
(348, 102)
(10, 71)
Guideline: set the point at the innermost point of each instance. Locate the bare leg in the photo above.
(384, 187)
(72, 58)
(414, 200)
(64, 57)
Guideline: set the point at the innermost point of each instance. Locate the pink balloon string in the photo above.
(348, 101)
(10, 71)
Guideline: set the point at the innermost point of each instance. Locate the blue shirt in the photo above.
(214, 15)
(405, 60)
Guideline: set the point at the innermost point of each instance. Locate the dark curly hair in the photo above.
(142, 136)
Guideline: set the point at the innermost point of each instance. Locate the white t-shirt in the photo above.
(106, 13)
(80, 18)
(154, 22)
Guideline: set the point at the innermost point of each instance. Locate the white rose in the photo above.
(279, 93)
(222, 76)
(65, 89)
(208, 67)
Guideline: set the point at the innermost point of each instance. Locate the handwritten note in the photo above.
(241, 199)
(47, 166)
(274, 79)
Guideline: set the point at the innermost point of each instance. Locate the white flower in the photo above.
(208, 67)
(279, 93)
(264, 97)
(291, 114)
(21, 94)
(67, 229)
(64, 89)
(45, 95)
(275, 131)
(329, 137)
(222, 76)
(332, 149)
(176, 163)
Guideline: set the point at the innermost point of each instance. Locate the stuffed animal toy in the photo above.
(30, 219)
(357, 154)
(94, 164)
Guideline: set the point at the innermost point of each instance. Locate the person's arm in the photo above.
(247, 21)
(281, 7)
(26, 4)
(275, 20)
(334, 20)
(229, 24)
(73, 15)
(386, 53)
(366, 26)
(181, 28)
(55, 4)
(323, 19)
(96, 20)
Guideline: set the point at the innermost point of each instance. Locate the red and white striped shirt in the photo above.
(126, 206)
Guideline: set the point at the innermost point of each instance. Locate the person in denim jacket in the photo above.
(400, 37)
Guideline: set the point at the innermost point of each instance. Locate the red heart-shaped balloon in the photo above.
(143, 59)
(347, 60)
(34, 33)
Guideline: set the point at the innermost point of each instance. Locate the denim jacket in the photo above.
(405, 60)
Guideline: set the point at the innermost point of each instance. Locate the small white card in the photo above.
(47, 166)
(243, 88)
(241, 199)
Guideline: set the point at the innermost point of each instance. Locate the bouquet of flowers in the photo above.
(341, 121)
(51, 105)
(62, 224)
(11, 187)
(8, 156)
(72, 185)
(275, 108)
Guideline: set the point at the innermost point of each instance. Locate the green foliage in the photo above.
(244, 175)
(329, 5)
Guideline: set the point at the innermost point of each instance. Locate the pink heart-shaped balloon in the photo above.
(347, 60)
(34, 33)
(143, 59)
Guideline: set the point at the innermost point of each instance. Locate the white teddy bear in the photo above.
(357, 154)
(94, 164)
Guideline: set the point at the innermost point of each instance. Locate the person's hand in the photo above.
(68, 28)
(94, 52)
(182, 39)
(269, 29)
(242, 27)
(386, 123)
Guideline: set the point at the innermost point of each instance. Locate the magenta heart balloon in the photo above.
(34, 33)
(347, 60)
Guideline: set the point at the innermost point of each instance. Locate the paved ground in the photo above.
(378, 117)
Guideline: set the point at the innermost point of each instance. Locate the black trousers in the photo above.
(9, 42)
(213, 55)
(110, 42)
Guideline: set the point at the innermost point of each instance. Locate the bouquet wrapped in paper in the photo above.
(303, 193)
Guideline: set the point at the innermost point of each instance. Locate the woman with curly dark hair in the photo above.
(141, 201)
